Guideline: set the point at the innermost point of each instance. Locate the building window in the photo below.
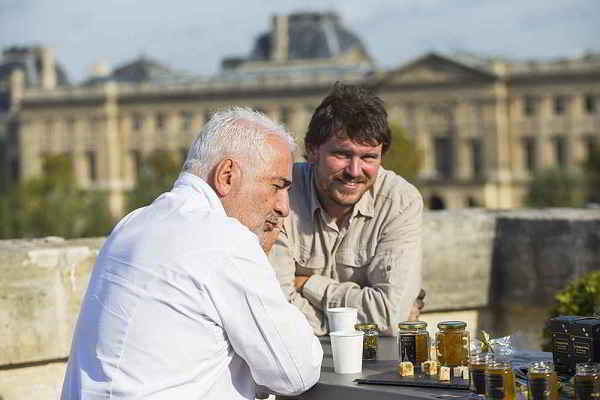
(436, 203)
(207, 116)
(591, 146)
(183, 152)
(186, 120)
(589, 104)
(476, 157)
(136, 162)
(560, 105)
(15, 170)
(160, 121)
(471, 202)
(71, 125)
(529, 105)
(443, 157)
(284, 115)
(137, 123)
(559, 143)
(92, 170)
(529, 155)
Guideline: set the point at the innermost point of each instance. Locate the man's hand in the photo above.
(300, 281)
(417, 306)
(268, 239)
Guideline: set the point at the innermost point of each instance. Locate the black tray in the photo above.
(419, 380)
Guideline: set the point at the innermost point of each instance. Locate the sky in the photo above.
(194, 35)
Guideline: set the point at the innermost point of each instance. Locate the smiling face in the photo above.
(260, 201)
(344, 171)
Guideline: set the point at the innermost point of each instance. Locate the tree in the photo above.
(157, 174)
(403, 157)
(53, 205)
(555, 187)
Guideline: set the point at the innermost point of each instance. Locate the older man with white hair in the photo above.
(182, 302)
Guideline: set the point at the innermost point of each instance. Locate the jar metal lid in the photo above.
(410, 325)
(363, 327)
(452, 325)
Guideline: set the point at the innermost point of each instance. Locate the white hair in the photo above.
(237, 131)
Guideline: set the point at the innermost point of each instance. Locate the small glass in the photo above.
(499, 381)
(452, 343)
(587, 381)
(542, 382)
(413, 342)
(477, 366)
(369, 340)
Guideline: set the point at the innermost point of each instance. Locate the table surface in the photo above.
(332, 386)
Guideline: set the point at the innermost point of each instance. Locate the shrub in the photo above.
(580, 297)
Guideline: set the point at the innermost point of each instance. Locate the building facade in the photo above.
(484, 126)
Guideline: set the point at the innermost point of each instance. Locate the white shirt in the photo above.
(183, 304)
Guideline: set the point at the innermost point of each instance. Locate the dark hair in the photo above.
(350, 111)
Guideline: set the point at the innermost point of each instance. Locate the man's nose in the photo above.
(282, 204)
(354, 167)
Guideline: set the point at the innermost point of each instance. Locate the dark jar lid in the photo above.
(412, 325)
(452, 325)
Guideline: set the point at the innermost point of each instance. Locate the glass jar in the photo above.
(413, 342)
(452, 344)
(477, 366)
(542, 382)
(499, 381)
(371, 333)
(587, 381)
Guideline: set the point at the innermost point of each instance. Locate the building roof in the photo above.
(28, 59)
(311, 36)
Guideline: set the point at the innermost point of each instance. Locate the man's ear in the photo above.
(226, 176)
(311, 154)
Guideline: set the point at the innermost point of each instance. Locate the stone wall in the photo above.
(496, 270)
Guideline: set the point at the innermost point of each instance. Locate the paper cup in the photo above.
(341, 318)
(347, 349)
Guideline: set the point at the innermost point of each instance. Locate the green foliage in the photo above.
(157, 174)
(555, 187)
(580, 297)
(403, 157)
(53, 205)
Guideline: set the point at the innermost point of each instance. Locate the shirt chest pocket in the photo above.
(353, 267)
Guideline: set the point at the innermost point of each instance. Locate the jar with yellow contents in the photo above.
(452, 343)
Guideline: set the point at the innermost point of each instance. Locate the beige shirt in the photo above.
(373, 263)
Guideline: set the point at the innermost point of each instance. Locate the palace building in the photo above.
(485, 126)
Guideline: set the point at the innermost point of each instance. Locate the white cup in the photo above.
(347, 349)
(341, 318)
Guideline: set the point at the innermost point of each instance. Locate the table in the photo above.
(332, 386)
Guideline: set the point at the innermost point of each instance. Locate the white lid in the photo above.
(347, 333)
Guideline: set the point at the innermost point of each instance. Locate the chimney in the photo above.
(16, 88)
(280, 38)
(48, 72)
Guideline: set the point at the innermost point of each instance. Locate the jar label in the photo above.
(586, 388)
(494, 386)
(408, 348)
(539, 388)
(478, 380)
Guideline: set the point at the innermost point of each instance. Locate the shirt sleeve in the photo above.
(270, 334)
(285, 268)
(394, 275)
